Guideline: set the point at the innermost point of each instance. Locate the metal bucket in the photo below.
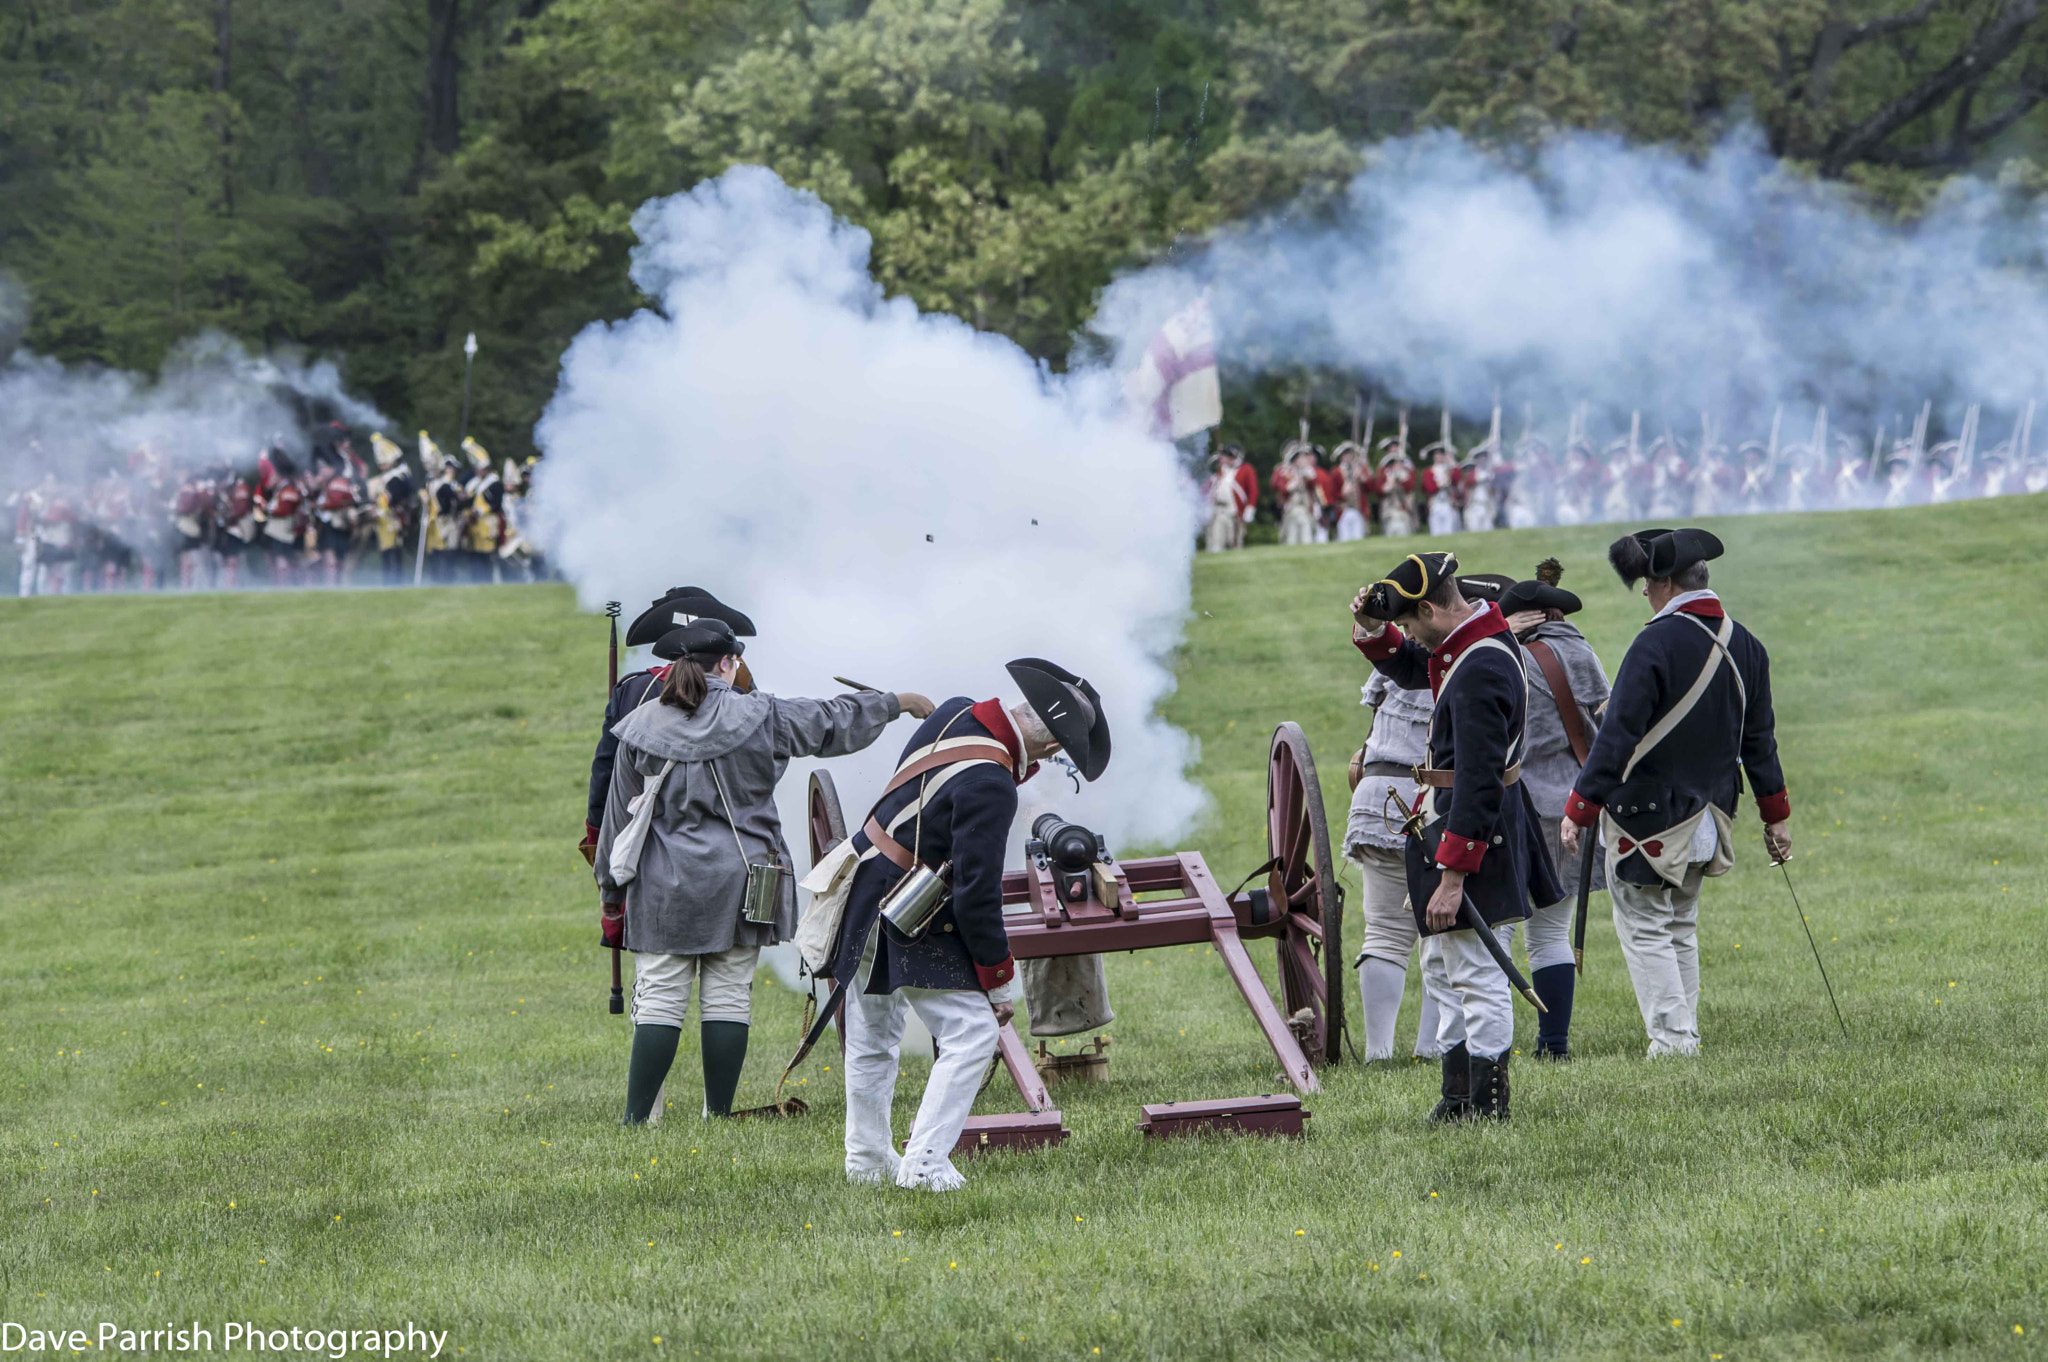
(908, 909)
(764, 894)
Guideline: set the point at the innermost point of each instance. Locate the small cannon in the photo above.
(1074, 898)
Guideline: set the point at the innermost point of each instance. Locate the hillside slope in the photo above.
(304, 1019)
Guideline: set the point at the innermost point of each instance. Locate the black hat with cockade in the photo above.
(1660, 554)
(1070, 709)
(680, 605)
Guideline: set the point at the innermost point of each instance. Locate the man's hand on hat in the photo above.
(1522, 621)
(915, 705)
(1366, 625)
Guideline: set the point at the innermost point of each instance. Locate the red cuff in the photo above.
(1462, 854)
(1775, 808)
(1381, 646)
(995, 976)
(1581, 810)
(590, 833)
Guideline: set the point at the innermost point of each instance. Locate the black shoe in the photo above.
(1457, 1099)
(1490, 1087)
(1557, 1056)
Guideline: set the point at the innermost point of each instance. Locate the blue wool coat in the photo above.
(1481, 825)
(1730, 730)
(967, 822)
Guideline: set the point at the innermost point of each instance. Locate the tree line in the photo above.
(375, 179)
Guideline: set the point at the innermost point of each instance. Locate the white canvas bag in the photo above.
(626, 847)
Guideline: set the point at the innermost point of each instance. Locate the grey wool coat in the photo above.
(687, 897)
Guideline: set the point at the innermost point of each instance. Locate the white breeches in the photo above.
(964, 1025)
(1475, 1003)
(1444, 517)
(724, 984)
(1658, 927)
(1350, 525)
(1550, 933)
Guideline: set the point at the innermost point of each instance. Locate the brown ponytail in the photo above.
(685, 688)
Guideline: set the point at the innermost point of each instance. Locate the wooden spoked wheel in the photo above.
(827, 825)
(1304, 887)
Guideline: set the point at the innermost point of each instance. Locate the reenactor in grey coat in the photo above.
(1568, 692)
(696, 770)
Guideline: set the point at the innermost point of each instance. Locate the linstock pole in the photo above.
(617, 1005)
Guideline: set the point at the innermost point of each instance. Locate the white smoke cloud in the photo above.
(211, 400)
(1628, 278)
(891, 495)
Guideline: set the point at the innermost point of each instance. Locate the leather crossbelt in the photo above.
(1441, 778)
(878, 836)
(1561, 695)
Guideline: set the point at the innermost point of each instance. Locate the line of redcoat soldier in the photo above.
(151, 525)
(1345, 494)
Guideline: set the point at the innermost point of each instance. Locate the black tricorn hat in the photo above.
(1484, 586)
(678, 606)
(1070, 708)
(1538, 596)
(1395, 594)
(704, 636)
(1660, 553)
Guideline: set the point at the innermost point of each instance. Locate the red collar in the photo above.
(1487, 622)
(991, 715)
(1711, 609)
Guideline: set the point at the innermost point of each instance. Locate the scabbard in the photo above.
(1468, 916)
(1591, 837)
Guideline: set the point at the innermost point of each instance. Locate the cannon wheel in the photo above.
(826, 823)
(1305, 881)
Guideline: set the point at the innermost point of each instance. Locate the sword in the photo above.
(1468, 912)
(1585, 892)
(1815, 946)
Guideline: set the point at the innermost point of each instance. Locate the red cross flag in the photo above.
(1176, 379)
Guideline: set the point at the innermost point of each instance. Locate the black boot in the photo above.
(654, 1049)
(1457, 1100)
(1490, 1087)
(1554, 984)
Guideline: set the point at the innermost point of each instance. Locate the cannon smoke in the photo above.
(892, 495)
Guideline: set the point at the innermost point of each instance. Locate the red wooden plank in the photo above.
(1023, 1072)
(1223, 923)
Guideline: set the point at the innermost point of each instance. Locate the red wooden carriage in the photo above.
(1175, 901)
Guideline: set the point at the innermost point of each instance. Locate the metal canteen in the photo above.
(764, 894)
(908, 909)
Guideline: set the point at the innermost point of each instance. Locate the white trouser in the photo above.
(1350, 526)
(964, 1026)
(724, 984)
(1222, 524)
(1475, 1004)
(1550, 933)
(1390, 936)
(1658, 927)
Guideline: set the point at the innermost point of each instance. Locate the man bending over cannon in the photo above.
(923, 926)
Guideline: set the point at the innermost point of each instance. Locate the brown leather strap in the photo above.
(1443, 777)
(892, 850)
(931, 761)
(878, 836)
(1561, 695)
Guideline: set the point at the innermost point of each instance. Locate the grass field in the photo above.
(303, 1020)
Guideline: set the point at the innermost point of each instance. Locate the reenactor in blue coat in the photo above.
(1478, 839)
(1691, 711)
(948, 809)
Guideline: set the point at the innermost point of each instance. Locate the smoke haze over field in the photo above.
(211, 400)
(891, 495)
(1627, 277)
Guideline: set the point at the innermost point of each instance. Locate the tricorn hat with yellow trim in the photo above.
(1395, 594)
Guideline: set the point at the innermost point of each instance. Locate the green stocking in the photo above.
(654, 1049)
(725, 1054)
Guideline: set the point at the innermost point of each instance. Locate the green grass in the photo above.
(303, 1021)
